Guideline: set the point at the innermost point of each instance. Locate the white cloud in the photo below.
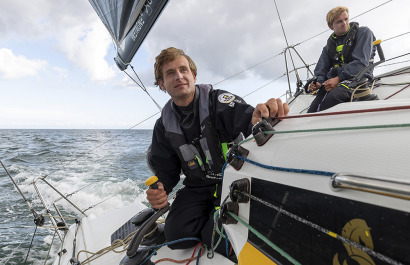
(225, 37)
(63, 73)
(71, 24)
(13, 66)
(86, 46)
(67, 39)
(22, 19)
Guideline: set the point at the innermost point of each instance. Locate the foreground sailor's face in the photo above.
(179, 81)
(341, 24)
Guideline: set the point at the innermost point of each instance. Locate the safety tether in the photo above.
(265, 239)
(384, 126)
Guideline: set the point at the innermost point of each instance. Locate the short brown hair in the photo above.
(166, 56)
(334, 13)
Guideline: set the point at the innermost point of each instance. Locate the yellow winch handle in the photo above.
(377, 42)
(152, 182)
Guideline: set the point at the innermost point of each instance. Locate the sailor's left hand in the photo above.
(331, 83)
(272, 108)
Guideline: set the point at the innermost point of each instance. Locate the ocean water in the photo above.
(105, 169)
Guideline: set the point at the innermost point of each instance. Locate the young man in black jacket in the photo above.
(191, 135)
(348, 50)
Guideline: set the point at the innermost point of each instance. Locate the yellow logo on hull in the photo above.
(356, 230)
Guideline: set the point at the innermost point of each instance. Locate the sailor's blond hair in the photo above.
(168, 55)
(334, 13)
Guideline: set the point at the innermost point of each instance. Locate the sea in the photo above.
(100, 170)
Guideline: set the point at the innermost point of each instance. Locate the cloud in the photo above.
(15, 67)
(87, 46)
(223, 37)
(72, 26)
(82, 37)
(22, 19)
(226, 37)
(63, 73)
(230, 36)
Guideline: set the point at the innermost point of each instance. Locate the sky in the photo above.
(57, 69)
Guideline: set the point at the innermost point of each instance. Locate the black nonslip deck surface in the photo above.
(384, 230)
(123, 231)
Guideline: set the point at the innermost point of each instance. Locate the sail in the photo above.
(129, 22)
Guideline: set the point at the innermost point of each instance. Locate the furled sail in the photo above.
(129, 22)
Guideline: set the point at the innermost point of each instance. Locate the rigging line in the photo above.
(264, 85)
(397, 92)
(51, 245)
(372, 9)
(135, 81)
(383, 65)
(280, 20)
(74, 192)
(405, 54)
(109, 140)
(392, 84)
(403, 125)
(396, 36)
(282, 95)
(312, 37)
(301, 67)
(349, 18)
(286, 39)
(143, 87)
(345, 112)
(31, 244)
(383, 126)
(401, 71)
(92, 206)
(270, 58)
(12, 253)
(66, 196)
(132, 67)
(31, 208)
(217, 83)
(320, 229)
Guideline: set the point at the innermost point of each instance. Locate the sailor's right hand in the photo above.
(313, 87)
(272, 108)
(158, 198)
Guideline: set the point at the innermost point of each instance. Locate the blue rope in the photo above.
(198, 256)
(223, 170)
(176, 241)
(285, 169)
(149, 257)
(226, 245)
(155, 247)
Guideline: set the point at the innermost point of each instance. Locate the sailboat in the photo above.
(331, 187)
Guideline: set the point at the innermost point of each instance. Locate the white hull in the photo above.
(381, 154)
(377, 153)
(94, 235)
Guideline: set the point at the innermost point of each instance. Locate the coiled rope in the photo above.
(125, 242)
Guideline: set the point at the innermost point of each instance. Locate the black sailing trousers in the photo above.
(325, 100)
(191, 215)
